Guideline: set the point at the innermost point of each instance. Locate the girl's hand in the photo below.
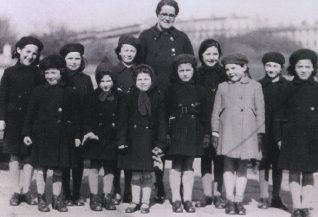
(157, 151)
(122, 147)
(215, 141)
(77, 142)
(2, 125)
(27, 140)
(279, 143)
(260, 137)
(89, 135)
(157, 162)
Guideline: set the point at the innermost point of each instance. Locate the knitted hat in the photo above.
(206, 44)
(127, 39)
(53, 61)
(72, 47)
(184, 58)
(102, 70)
(235, 58)
(273, 57)
(303, 54)
(29, 40)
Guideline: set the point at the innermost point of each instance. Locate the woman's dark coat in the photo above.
(124, 77)
(299, 133)
(158, 49)
(101, 119)
(16, 86)
(140, 133)
(52, 123)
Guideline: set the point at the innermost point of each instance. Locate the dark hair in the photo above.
(130, 40)
(144, 68)
(183, 59)
(302, 54)
(171, 3)
(99, 76)
(15, 54)
(205, 45)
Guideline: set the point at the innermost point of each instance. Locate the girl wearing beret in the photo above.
(51, 125)
(141, 134)
(237, 127)
(16, 86)
(100, 126)
(128, 52)
(82, 84)
(189, 130)
(273, 84)
(298, 135)
(210, 74)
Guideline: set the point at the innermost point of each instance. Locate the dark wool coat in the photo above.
(16, 86)
(52, 123)
(187, 109)
(273, 98)
(158, 49)
(124, 77)
(101, 119)
(140, 133)
(299, 135)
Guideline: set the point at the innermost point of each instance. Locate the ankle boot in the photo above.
(108, 202)
(42, 205)
(95, 202)
(58, 203)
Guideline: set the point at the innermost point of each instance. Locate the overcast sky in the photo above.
(29, 16)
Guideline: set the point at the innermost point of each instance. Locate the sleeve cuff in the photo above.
(216, 134)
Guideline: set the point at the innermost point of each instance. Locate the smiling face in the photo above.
(127, 53)
(185, 72)
(166, 17)
(52, 76)
(73, 60)
(304, 69)
(235, 72)
(143, 81)
(211, 56)
(28, 54)
(106, 83)
(273, 69)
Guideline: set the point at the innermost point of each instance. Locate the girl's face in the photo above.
(185, 72)
(235, 72)
(52, 76)
(127, 53)
(211, 56)
(304, 69)
(143, 81)
(28, 54)
(106, 83)
(73, 60)
(272, 69)
(166, 17)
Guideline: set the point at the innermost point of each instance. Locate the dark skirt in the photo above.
(99, 150)
(299, 149)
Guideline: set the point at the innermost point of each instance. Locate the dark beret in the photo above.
(128, 39)
(184, 58)
(29, 40)
(53, 61)
(206, 44)
(171, 3)
(72, 47)
(102, 70)
(273, 57)
(235, 58)
(303, 54)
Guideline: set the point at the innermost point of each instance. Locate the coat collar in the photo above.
(60, 84)
(157, 32)
(267, 81)
(244, 80)
(120, 67)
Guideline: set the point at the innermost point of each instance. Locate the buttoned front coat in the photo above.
(238, 116)
(16, 86)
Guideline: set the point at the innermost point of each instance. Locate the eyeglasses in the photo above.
(171, 16)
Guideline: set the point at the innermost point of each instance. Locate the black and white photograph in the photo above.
(158, 108)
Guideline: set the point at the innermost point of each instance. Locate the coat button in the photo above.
(19, 96)
(113, 114)
(113, 124)
(60, 109)
(100, 124)
(147, 127)
(242, 110)
(241, 97)
(312, 108)
(58, 121)
(135, 126)
(19, 108)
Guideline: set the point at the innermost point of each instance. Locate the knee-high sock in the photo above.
(277, 180)
(108, 183)
(127, 184)
(77, 175)
(308, 190)
(27, 177)
(175, 182)
(15, 176)
(218, 167)
(57, 183)
(66, 183)
(241, 182)
(295, 189)
(116, 181)
(263, 184)
(146, 188)
(207, 184)
(40, 182)
(229, 184)
(187, 181)
(93, 181)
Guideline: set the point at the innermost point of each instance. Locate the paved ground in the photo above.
(252, 193)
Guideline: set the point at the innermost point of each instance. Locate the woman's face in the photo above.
(28, 54)
(127, 53)
(185, 72)
(304, 69)
(143, 81)
(211, 56)
(235, 72)
(52, 76)
(166, 17)
(73, 60)
(106, 83)
(273, 69)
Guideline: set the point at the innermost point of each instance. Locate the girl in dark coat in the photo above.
(82, 83)
(299, 138)
(141, 131)
(51, 124)
(128, 53)
(189, 127)
(15, 90)
(100, 128)
(210, 75)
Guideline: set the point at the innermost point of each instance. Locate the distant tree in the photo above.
(7, 35)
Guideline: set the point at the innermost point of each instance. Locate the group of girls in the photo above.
(54, 119)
